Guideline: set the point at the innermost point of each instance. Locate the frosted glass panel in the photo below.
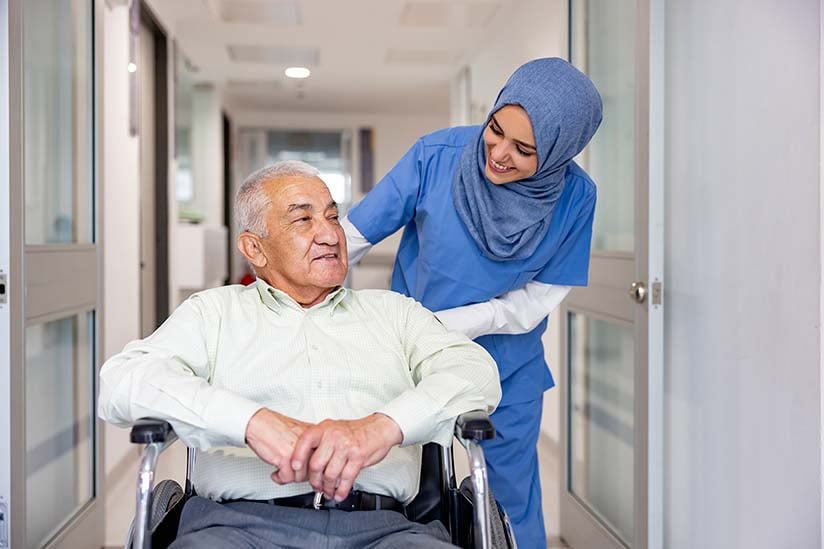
(59, 423)
(58, 121)
(603, 46)
(601, 422)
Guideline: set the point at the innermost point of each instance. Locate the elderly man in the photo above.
(295, 384)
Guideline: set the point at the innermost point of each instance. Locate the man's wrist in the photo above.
(391, 430)
(251, 426)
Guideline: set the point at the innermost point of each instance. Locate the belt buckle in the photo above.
(318, 501)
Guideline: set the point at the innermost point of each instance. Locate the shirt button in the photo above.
(314, 347)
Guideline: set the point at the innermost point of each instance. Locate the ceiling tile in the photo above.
(271, 12)
(425, 14)
(306, 57)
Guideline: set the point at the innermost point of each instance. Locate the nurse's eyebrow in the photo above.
(518, 141)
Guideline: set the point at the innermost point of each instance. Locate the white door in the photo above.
(612, 329)
(49, 255)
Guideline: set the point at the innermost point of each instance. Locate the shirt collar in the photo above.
(276, 299)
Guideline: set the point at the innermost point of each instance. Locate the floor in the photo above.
(550, 484)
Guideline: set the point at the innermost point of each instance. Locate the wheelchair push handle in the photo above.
(474, 425)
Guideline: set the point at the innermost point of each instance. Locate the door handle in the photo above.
(638, 291)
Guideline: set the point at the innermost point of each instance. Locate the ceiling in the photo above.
(392, 56)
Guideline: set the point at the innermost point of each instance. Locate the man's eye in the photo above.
(335, 217)
(301, 219)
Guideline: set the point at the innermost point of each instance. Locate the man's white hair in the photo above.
(251, 202)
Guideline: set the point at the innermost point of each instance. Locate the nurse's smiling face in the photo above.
(510, 146)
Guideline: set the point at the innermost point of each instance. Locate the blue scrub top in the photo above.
(439, 264)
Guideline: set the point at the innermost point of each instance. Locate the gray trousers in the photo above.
(207, 524)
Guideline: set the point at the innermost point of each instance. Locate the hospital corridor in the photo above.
(607, 217)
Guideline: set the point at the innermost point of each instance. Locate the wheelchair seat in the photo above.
(469, 511)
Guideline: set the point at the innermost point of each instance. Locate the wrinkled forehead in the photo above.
(285, 192)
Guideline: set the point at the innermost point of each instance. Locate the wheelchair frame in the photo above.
(470, 428)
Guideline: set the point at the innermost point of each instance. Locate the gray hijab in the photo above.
(509, 221)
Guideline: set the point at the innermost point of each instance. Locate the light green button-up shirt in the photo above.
(227, 352)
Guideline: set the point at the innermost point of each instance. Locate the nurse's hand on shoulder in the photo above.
(331, 454)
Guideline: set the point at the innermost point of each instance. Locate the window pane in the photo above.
(601, 420)
(58, 121)
(59, 423)
(184, 171)
(603, 46)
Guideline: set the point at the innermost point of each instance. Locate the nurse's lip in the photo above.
(497, 168)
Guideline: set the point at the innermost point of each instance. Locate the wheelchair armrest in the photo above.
(148, 431)
(474, 425)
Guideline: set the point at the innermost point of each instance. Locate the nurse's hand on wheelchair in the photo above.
(331, 454)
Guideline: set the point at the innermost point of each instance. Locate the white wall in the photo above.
(531, 29)
(743, 256)
(121, 240)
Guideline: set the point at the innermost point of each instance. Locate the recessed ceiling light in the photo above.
(297, 72)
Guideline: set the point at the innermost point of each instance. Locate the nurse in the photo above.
(497, 227)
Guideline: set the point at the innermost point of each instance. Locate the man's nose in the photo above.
(327, 233)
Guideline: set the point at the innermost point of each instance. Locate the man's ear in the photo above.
(249, 245)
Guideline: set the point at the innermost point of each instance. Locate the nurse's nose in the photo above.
(500, 151)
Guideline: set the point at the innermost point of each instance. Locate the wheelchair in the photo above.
(469, 511)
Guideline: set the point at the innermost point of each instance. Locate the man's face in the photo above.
(304, 253)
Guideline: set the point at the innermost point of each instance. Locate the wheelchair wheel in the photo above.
(499, 536)
(165, 495)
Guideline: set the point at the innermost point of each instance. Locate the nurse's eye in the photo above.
(495, 129)
(524, 152)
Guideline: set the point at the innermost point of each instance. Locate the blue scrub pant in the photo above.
(512, 466)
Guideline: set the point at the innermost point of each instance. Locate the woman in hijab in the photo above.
(497, 227)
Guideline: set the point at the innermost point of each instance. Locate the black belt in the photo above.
(355, 501)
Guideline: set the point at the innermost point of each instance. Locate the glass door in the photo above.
(50, 458)
(612, 329)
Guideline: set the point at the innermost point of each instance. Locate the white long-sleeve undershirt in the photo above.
(516, 312)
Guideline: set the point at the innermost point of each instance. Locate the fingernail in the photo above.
(296, 465)
(338, 498)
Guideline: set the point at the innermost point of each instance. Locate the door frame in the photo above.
(161, 159)
(646, 263)
(85, 527)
